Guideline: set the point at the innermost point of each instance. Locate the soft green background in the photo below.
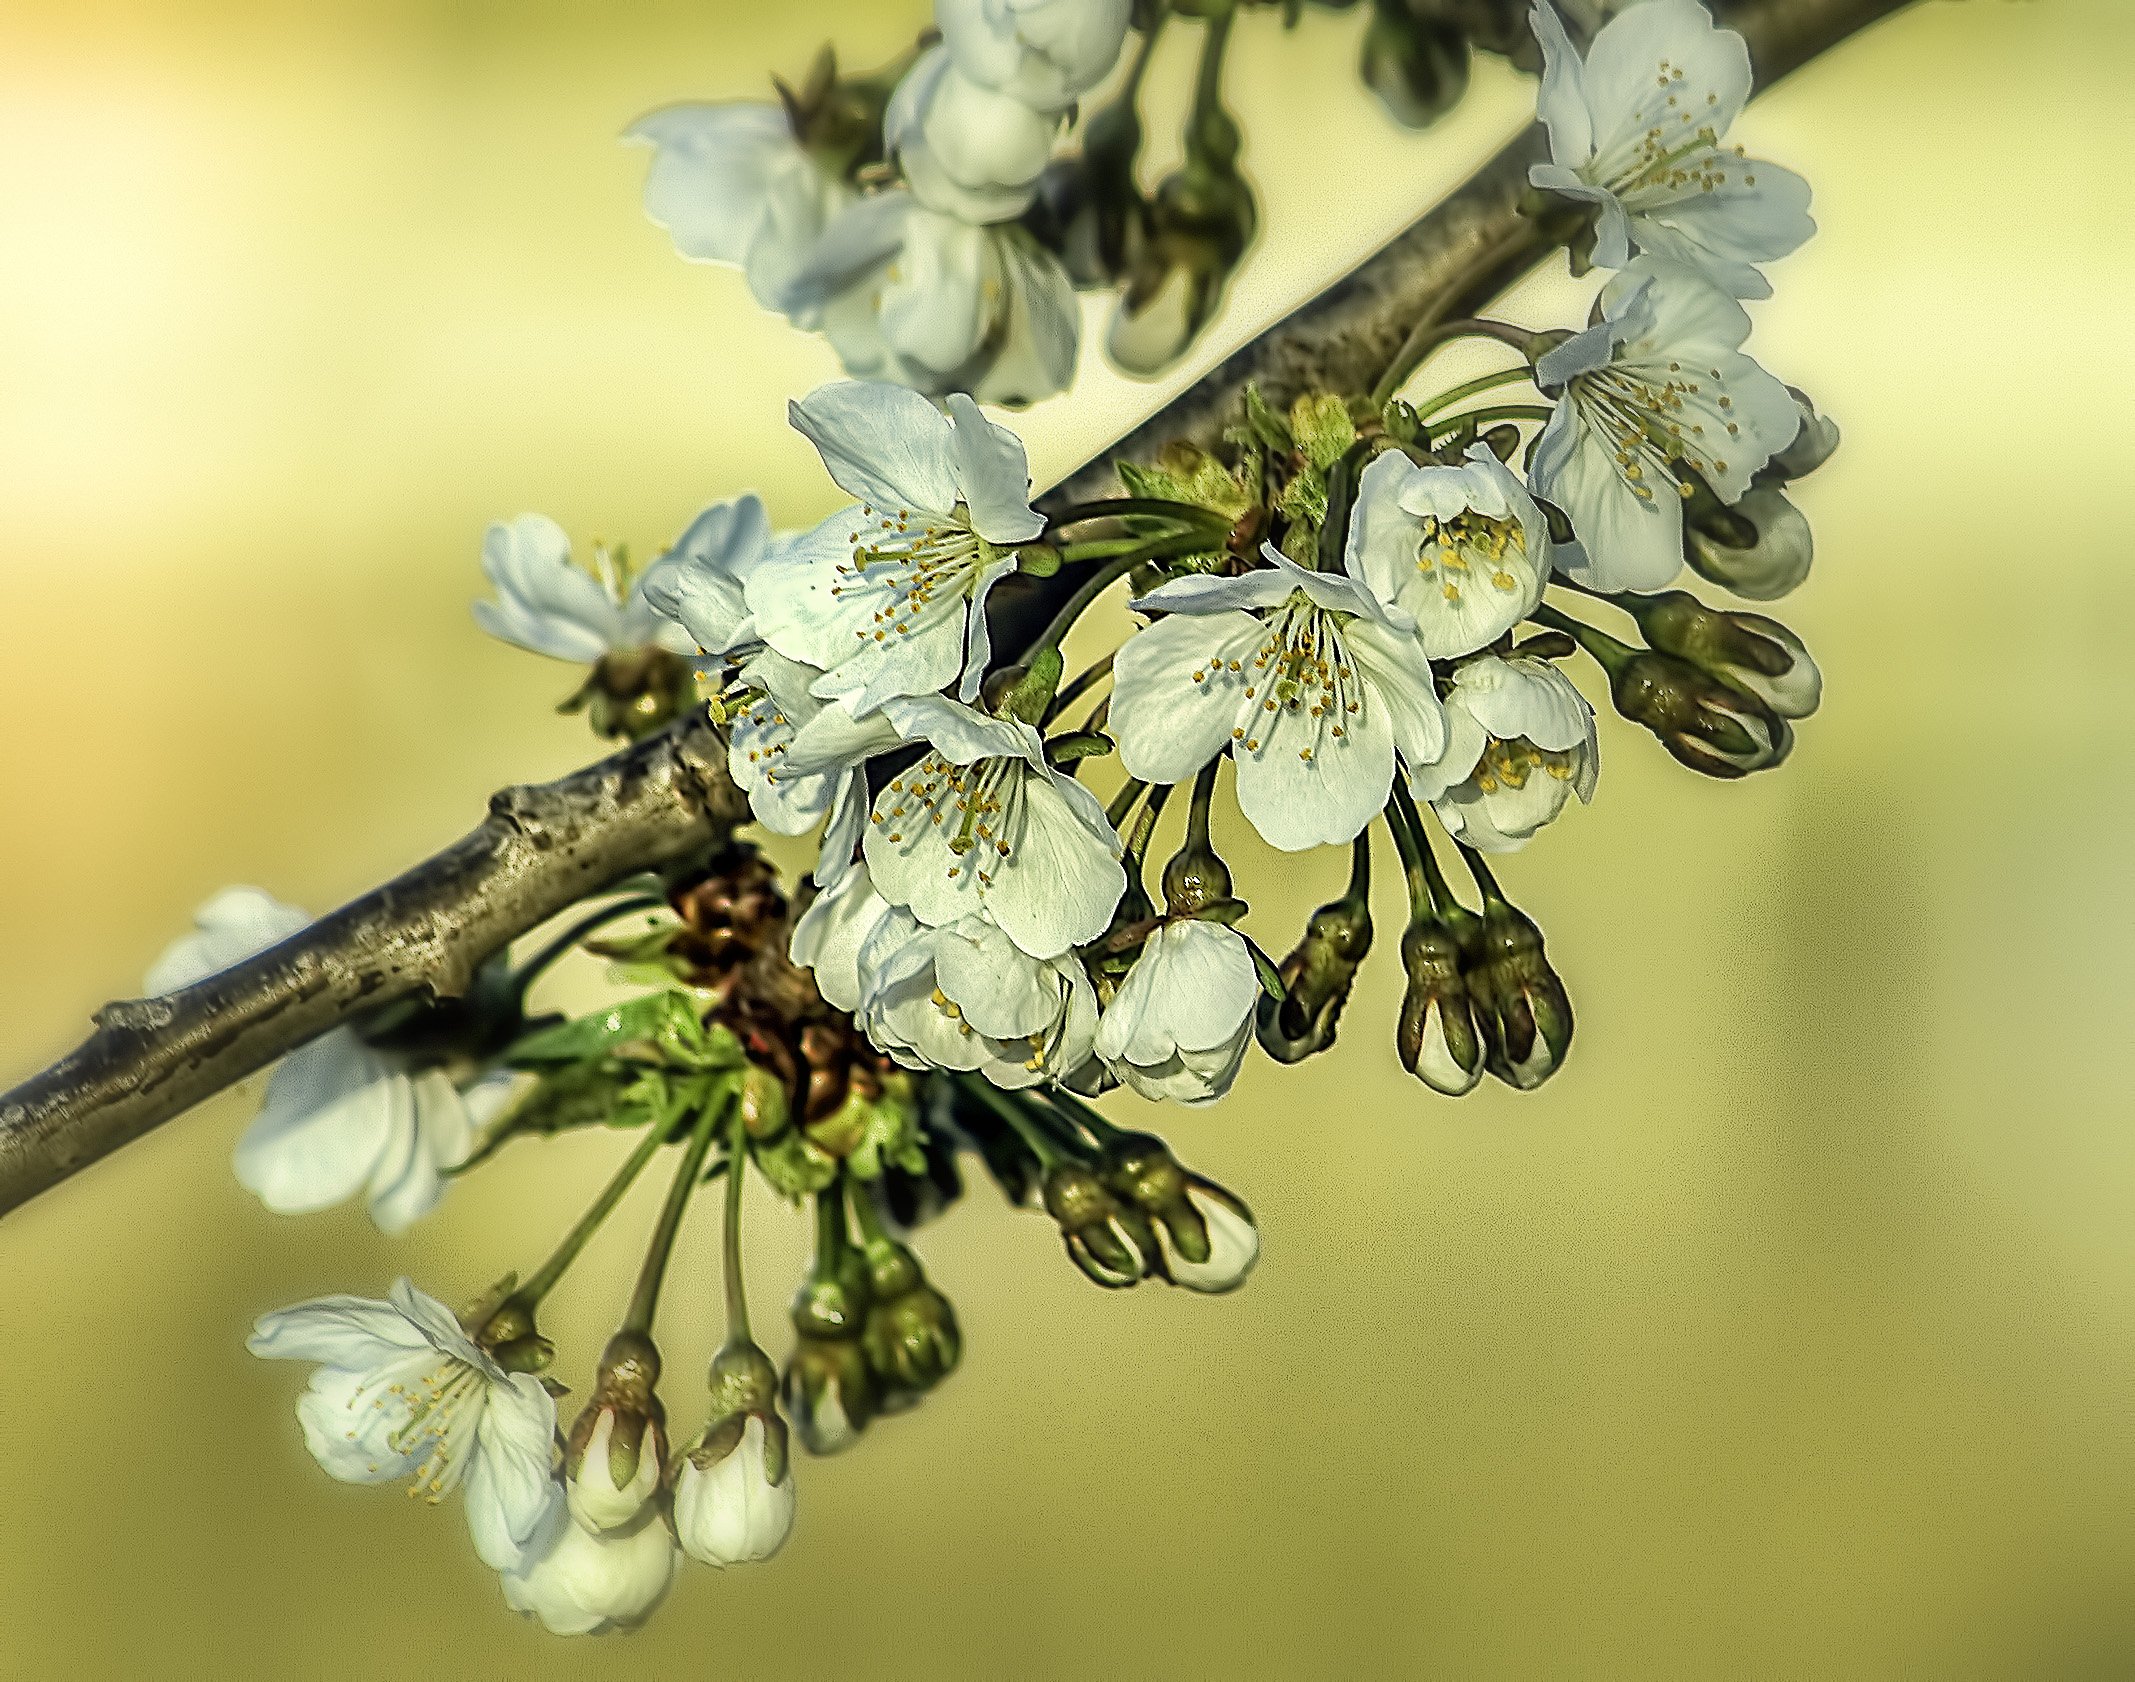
(1786, 1335)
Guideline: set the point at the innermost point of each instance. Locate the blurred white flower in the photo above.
(1660, 384)
(1179, 1026)
(1636, 128)
(1310, 680)
(1463, 551)
(1044, 53)
(927, 300)
(735, 1507)
(888, 596)
(790, 794)
(577, 1582)
(403, 1392)
(1520, 743)
(967, 150)
(340, 1116)
(828, 938)
(698, 583)
(964, 996)
(547, 605)
(731, 183)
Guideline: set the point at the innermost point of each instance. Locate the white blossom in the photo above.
(340, 1116)
(403, 1392)
(731, 1511)
(1310, 680)
(698, 583)
(964, 996)
(1659, 385)
(1179, 1026)
(1636, 128)
(791, 791)
(576, 1582)
(888, 597)
(967, 150)
(1045, 53)
(1520, 743)
(731, 183)
(828, 937)
(1463, 551)
(984, 824)
(924, 299)
(547, 605)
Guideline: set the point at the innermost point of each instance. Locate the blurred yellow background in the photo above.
(1787, 1334)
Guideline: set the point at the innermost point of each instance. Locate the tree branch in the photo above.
(668, 798)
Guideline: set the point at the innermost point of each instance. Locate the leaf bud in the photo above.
(1439, 1041)
(1111, 1242)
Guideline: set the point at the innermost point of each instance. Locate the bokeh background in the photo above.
(1787, 1334)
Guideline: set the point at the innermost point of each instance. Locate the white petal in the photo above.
(713, 171)
(511, 1488)
(1167, 724)
(992, 475)
(544, 603)
(331, 1111)
(1295, 801)
(441, 1133)
(828, 937)
(355, 1333)
(887, 446)
(1399, 677)
(236, 924)
(1561, 103)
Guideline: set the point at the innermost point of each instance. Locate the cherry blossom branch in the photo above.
(668, 798)
(540, 851)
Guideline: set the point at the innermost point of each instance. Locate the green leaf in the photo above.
(1323, 428)
(664, 1025)
(795, 1165)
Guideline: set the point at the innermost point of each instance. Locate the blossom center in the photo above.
(1451, 552)
(1646, 420)
(442, 1406)
(979, 807)
(1508, 765)
(1300, 675)
(918, 565)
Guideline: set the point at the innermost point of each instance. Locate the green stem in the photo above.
(1429, 893)
(1048, 1153)
(1081, 684)
(645, 1299)
(1123, 802)
(1071, 609)
(1500, 412)
(529, 972)
(1485, 882)
(829, 1229)
(1427, 336)
(1208, 76)
(1115, 507)
(543, 1279)
(1197, 813)
(737, 1301)
(1474, 388)
(872, 1231)
(1607, 652)
(1085, 1115)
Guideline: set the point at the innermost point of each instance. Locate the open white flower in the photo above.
(1463, 551)
(732, 1510)
(340, 1116)
(790, 795)
(698, 583)
(547, 605)
(924, 299)
(964, 996)
(1045, 53)
(1658, 386)
(577, 1582)
(1520, 743)
(1179, 1026)
(731, 183)
(1636, 130)
(403, 1392)
(829, 937)
(984, 824)
(1309, 679)
(967, 150)
(888, 597)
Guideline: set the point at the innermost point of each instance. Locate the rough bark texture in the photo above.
(539, 851)
(542, 849)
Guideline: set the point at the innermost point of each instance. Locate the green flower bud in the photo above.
(1757, 655)
(1707, 724)
(1198, 227)
(1110, 1241)
(1317, 977)
(501, 1323)
(912, 1341)
(1210, 1241)
(1521, 1007)
(1415, 61)
(1810, 449)
(1439, 1041)
(830, 1391)
(766, 1106)
(631, 694)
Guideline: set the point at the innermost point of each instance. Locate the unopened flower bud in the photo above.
(1415, 61)
(1316, 976)
(1089, 209)
(1754, 653)
(632, 693)
(618, 1445)
(766, 1106)
(1811, 448)
(830, 1391)
(1209, 1238)
(584, 1582)
(502, 1323)
(1521, 1007)
(1760, 548)
(911, 1339)
(1110, 1241)
(734, 1483)
(1439, 1041)
(1707, 724)
(1198, 226)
